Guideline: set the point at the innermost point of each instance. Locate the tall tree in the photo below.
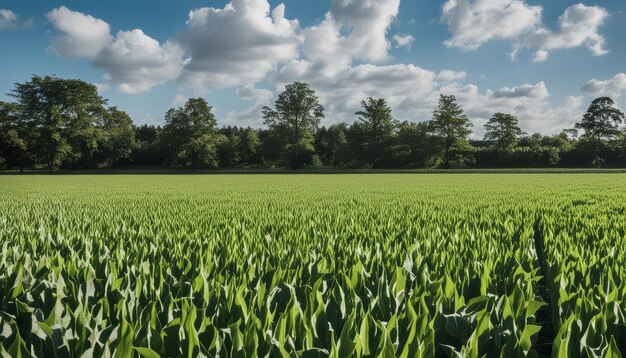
(331, 144)
(416, 145)
(503, 131)
(249, 146)
(60, 114)
(227, 150)
(118, 135)
(378, 125)
(451, 126)
(13, 137)
(191, 135)
(296, 116)
(149, 149)
(600, 122)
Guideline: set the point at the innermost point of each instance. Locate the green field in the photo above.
(313, 265)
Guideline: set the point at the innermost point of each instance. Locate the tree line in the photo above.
(58, 123)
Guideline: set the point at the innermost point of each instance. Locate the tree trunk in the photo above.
(50, 165)
(597, 153)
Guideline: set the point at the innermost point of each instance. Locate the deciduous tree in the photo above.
(295, 118)
(191, 135)
(601, 122)
(60, 114)
(451, 126)
(503, 131)
(377, 125)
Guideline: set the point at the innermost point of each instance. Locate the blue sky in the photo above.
(542, 61)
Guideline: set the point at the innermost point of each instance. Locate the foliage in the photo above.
(56, 123)
(117, 135)
(191, 134)
(376, 123)
(452, 127)
(601, 121)
(60, 114)
(503, 131)
(296, 116)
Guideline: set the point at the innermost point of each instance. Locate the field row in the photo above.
(313, 265)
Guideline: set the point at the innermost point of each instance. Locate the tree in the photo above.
(191, 135)
(249, 146)
(227, 149)
(295, 118)
(60, 114)
(331, 144)
(118, 135)
(377, 125)
(148, 149)
(503, 131)
(601, 121)
(451, 126)
(13, 137)
(415, 144)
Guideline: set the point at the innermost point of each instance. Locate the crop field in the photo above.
(381, 265)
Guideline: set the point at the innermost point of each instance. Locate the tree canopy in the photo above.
(503, 131)
(451, 126)
(191, 134)
(296, 116)
(377, 124)
(55, 123)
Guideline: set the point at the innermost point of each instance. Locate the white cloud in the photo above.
(449, 75)
(8, 19)
(530, 103)
(257, 95)
(132, 60)
(136, 62)
(178, 101)
(541, 56)
(403, 40)
(612, 87)
(251, 116)
(239, 44)
(83, 35)
(578, 26)
(102, 87)
(472, 23)
(352, 30)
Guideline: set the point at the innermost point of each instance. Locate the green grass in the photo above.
(313, 265)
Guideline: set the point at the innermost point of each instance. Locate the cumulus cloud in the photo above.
(530, 103)
(449, 75)
(473, 23)
(251, 116)
(578, 26)
(179, 100)
(102, 87)
(611, 87)
(352, 30)
(403, 40)
(540, 56)
(238, 44)
(136, 62)
(83, 35)
(132, 60)
(8, 19)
